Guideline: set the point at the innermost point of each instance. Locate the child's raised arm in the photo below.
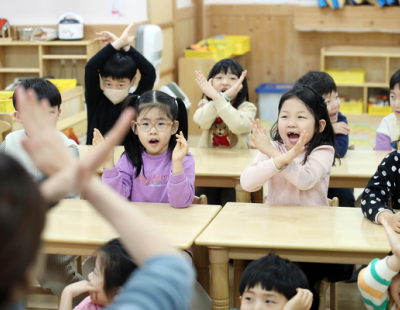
(166, 277)
(374, 281)
(72, 291)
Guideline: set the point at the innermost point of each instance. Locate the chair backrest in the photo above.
(334, 202)
(202, 200)
(6, 126)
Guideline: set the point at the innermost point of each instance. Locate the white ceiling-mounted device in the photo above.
(149, 43)
(70, 27)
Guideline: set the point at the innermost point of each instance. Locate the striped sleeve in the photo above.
(374, 282)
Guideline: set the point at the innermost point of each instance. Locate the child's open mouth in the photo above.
(293, 137)
(154, 142)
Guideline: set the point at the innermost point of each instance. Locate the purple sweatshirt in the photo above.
(158, 184)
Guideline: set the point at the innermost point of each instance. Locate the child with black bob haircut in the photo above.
(272, 282)
(113, 268)
(117, 64)
(324, 84)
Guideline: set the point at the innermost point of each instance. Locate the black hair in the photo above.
(22, 219)
(316, 105)
(231, 64)
(322, 82)
(394, 79)
(174, 108)
(119, 66)
(116, 265)
(44, 90)
(273, 273)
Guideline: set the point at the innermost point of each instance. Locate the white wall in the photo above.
(295, 2)
(183, 3)
(46, 12)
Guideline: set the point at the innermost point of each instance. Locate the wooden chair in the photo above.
(200, 255)
(324, 283)
(6, 125)
(351, 146)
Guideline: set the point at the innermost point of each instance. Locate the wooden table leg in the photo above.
(334, 296)
(241, 194)
(219, 261)
(239, 266)
(202, 264)
(258, 196)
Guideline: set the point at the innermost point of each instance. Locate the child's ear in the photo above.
(133, 82)
(175, 127)
(322, 125)
(17, 117)
(59, 112)
(134, 127)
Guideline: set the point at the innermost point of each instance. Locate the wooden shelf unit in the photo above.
(379, 64)
(20, 58)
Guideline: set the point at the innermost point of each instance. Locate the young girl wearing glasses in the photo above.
(156, 165)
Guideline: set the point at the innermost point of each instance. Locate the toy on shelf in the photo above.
(5, 33)
(379, 104)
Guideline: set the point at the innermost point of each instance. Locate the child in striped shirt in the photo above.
(379, 283)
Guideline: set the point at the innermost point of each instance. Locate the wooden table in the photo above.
(356, 168)
(302, 234)
(74, 227)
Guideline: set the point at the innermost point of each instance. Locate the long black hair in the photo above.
(223, 66)
(174, 108)
(116, 265)
(316, 105)
(22, 219)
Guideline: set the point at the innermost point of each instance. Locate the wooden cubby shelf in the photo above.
(22, 59)
(379, 63)
(19, 70)
(58, 57)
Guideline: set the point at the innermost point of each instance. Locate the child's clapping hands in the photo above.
(97, 140)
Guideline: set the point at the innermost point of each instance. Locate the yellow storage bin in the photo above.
(241, 44)
(376, 110)
(224, 50)
(351, 107)
(6, 105)
(64, 84)
(353, 76)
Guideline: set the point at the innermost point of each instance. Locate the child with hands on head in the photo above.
(117, 64)
(298, 161)
(379, 283)
(274, 283)
(112, 269)
(156, 165)
(225, 116)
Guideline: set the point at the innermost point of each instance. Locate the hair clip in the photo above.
(138, 97)
(321, 99)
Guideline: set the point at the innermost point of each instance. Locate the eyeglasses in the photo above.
(160, 126)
